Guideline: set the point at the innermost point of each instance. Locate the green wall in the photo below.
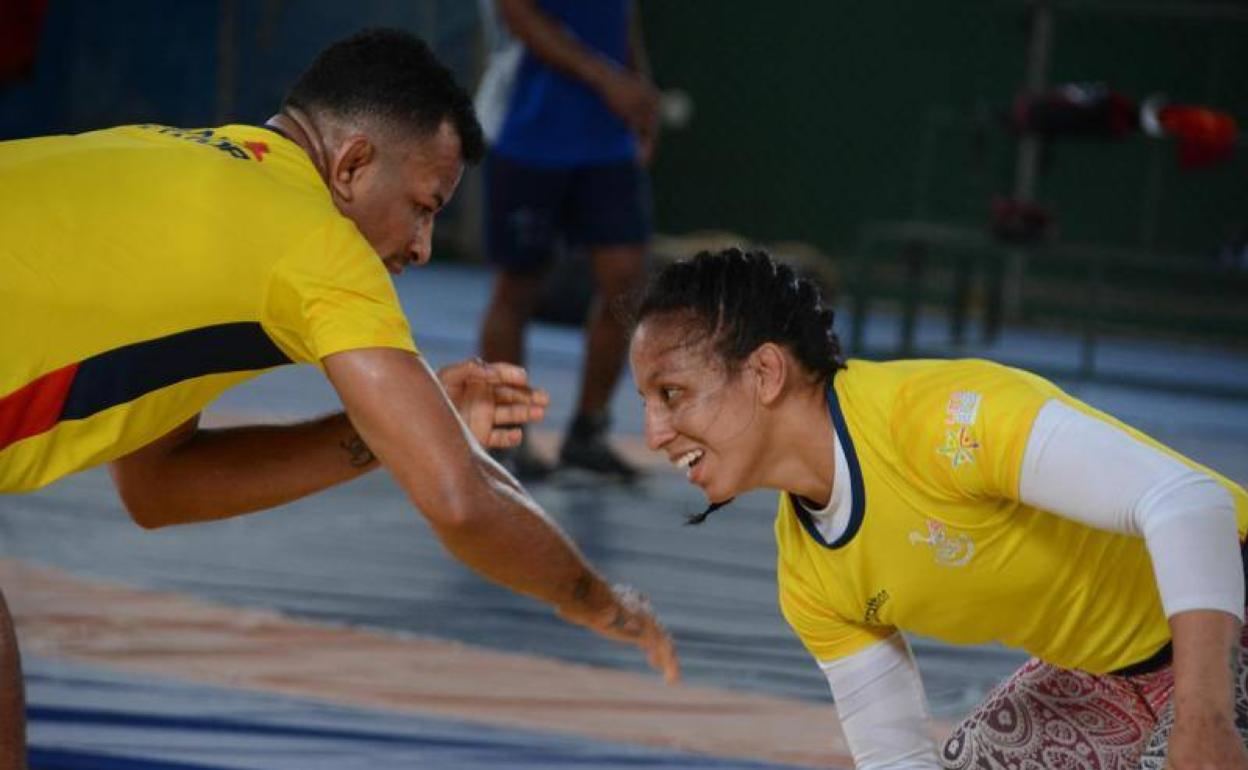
(811, 117)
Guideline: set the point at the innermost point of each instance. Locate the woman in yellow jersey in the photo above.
(965, 501)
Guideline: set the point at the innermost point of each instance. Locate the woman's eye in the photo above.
(669, 394)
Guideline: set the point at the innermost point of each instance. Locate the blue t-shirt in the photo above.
(557, 121)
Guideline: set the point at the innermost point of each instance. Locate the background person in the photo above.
(149, 268)
(568, 162)
(968, 502)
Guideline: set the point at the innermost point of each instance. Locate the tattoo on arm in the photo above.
(625, 624)
(360, 456)
(580, 591)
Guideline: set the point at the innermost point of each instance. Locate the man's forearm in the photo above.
(520, 548)
(482, 516)
(218, 473)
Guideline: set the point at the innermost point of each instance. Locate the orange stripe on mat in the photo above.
(62, 616)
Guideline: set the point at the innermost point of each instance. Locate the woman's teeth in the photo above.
(689, 459)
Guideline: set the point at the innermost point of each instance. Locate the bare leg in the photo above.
(619, 272)
(12, 702)
(513, 302)
(511, 305)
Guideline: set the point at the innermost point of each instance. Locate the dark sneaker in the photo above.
(522, 462)
(586, 448)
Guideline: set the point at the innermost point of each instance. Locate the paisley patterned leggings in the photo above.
(1049, 718)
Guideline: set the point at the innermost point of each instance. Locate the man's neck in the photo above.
(299, 127)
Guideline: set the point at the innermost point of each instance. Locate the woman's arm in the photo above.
(883, 710)
(1095, 473)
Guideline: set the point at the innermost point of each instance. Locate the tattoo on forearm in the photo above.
(580, 591)
(360, 456)
(625, 623)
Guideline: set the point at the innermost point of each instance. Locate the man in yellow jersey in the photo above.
(968, 502)
(145, 269)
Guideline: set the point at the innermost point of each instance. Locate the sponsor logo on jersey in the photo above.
(872, 614)
(959, 446)
(960, 442)
(962, 408)
(210, 138)
(948, 549)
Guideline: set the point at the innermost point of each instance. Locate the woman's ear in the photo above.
(354, 154)
(769, 364)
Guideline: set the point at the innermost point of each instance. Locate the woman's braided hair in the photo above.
(741, 299)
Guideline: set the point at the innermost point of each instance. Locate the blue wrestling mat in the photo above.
(82, 718)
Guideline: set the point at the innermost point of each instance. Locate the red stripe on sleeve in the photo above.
(35, 407)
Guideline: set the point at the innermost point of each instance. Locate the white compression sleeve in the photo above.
(1093, 472)
(879, 697)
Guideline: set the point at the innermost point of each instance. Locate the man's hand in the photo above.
(634, 99)
(494, 400)
(629, 618)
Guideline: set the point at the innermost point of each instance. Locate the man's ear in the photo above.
(770, 366)
(351, 157)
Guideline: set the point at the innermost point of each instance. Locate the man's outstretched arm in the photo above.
(481, 514)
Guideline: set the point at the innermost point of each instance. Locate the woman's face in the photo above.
(703, 415)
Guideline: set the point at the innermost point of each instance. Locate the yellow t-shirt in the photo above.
(938, 543)
(145, 269)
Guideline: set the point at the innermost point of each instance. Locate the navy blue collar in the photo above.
(859, 502)
(275, 130)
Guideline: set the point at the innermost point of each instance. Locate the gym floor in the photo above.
(335, 632)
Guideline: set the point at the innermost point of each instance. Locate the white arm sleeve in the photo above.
(1095, 473)
(883, 710)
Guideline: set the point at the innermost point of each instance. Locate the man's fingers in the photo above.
(661, 653)
(505, 438)
(478, 369)
(514, 394)
(509, 374)
(631, 620)
(511, 381)
(664, 661)
(517, 415)
(644, 629)
(508, 394)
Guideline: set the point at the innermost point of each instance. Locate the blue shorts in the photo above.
(530, 209)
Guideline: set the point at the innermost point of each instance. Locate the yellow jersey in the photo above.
(938, 542)
(145, 269)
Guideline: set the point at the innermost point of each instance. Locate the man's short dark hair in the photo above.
(392, 75)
